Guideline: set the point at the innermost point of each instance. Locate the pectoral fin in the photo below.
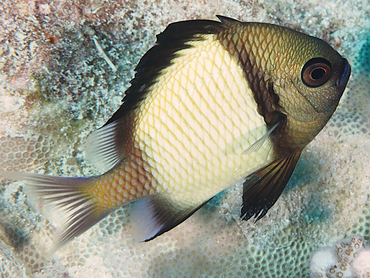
(155, 215)
(258, 144)
(262, 188)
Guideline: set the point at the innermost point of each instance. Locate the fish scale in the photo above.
(133, 184)
(208, 137)
(211, 104)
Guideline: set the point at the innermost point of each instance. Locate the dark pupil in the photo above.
(318, 73)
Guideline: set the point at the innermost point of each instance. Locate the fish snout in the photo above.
(343, 80)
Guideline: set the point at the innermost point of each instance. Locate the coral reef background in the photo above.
(56, 87)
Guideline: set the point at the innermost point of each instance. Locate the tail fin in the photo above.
(63, 201)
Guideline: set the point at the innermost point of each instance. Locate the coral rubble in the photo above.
(56, 86)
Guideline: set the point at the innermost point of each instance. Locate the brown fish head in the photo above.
(296, 79)
(312, 80)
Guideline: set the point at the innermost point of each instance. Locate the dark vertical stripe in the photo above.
(235, 39)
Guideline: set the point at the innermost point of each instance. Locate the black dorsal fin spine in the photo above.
(224, 19)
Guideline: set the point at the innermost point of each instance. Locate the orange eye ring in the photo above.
(316, 72)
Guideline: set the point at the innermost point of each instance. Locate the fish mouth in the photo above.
(343, 80)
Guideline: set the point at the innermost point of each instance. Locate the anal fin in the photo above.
(262, 188)
(155, 215)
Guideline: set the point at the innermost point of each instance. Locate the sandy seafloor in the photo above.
(55, 88)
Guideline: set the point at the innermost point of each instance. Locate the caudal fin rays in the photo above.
(63, 202)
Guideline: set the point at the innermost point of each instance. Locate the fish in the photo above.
(212, 103)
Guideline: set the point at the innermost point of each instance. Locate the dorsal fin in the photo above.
(104, 146)
(173, 39)
(224, 19)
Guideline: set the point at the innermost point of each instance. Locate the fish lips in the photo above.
(343, 80)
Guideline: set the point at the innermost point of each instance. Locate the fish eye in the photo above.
(316, 72)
